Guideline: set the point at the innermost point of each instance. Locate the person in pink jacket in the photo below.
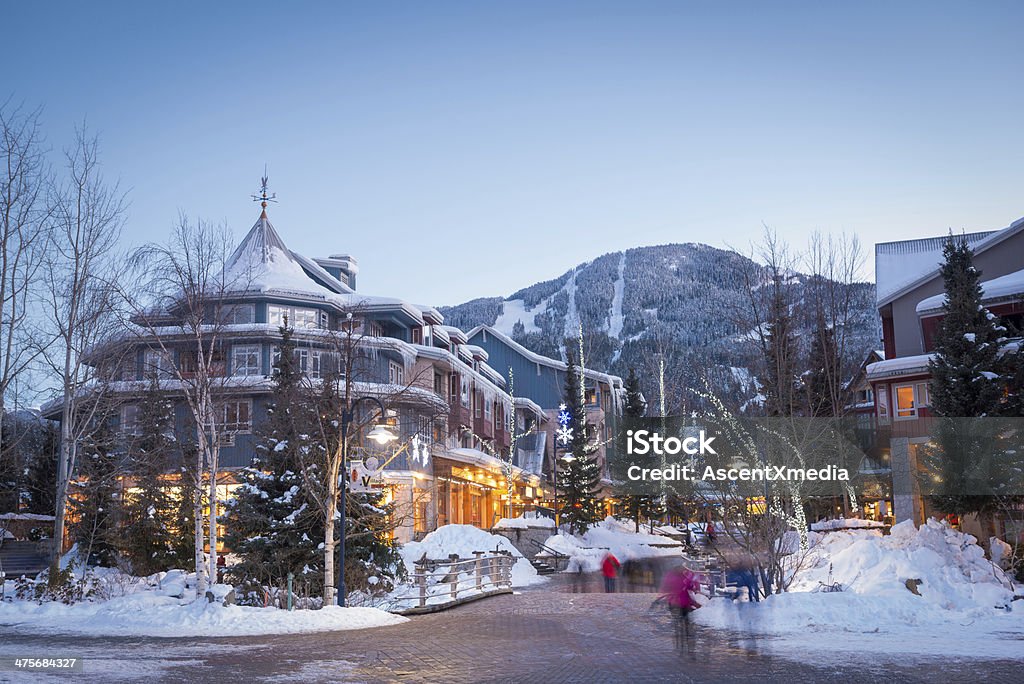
(678, 590)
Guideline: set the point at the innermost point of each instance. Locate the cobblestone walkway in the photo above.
(537, 636)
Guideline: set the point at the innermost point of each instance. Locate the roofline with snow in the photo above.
(991, 241)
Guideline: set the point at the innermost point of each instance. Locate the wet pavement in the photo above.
(536, 636)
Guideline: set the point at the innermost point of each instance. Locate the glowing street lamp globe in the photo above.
(382, 434)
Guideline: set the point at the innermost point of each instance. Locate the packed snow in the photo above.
(959, 593)
(844, 524)
(164, 605)
(464, 540)
(523, 523)
(612, 536)
(515, 311)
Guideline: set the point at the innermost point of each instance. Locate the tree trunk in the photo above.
(197, 511)
(67, 454)
(329, 550)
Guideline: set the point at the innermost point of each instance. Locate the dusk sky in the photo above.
(461, 150)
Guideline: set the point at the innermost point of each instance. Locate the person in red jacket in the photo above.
(610, 570)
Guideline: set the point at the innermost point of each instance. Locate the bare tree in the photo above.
(24, 215)
(80, 306)
(184, 285)
(348, 400)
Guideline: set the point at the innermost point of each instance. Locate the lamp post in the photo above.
(380, 434)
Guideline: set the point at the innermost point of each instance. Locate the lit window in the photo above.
(905, 404)
(245, 360)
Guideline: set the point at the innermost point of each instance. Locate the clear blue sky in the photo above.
(461, 150)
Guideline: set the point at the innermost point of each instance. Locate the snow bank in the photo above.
(615, 536)
(464, 540)
(844, 524)
(154, 610)
(958, 589)
(522, 523)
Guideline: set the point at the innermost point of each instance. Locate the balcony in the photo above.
(483, 426)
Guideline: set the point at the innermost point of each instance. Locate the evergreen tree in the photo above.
(581, 476)
(824, 367)
(637, 506)
(181, 553)
(965, 385)
(780, 352)
(270, 524)
(149, 511)
(95, 499)
(372, 561)
(41, 478)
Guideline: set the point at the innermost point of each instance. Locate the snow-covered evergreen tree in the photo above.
(637, 506)
(965, 384)
(96, 497)
(271, 525)
(579, 479)
(146, 538)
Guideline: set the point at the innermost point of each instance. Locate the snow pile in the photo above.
(164, 605)
(958, 588)
(522, 523)
(844, 524)
(614, 536)
(464, 540)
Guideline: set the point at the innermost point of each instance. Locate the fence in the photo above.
(441, 584)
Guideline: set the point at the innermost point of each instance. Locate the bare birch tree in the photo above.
(24, 215)
(87, 215)
(184, 285)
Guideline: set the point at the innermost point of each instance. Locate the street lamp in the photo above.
(381, 434)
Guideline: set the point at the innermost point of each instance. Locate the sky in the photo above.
(462, 150)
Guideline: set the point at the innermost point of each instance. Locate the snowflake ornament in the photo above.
(564, 434)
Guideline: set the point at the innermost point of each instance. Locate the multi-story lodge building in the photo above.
(542, 379)
(910, 296)
(456, 422)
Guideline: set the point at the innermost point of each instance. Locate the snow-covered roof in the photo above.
(905, 365)
(263, 263)
(1007, 286)
(477, 351)
(457, 335)
(612, 380)
(902, 266)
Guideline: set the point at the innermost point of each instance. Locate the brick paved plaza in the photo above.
(536, 636)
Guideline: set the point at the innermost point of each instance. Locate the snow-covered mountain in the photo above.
(677, 302)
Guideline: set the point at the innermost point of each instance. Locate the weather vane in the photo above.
(263, 197)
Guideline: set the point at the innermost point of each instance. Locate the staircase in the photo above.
(543, 566)
(19, 558)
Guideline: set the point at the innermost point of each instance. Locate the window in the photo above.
(159, 362)
(309, 362)
(396, 373)
(236, 416)
(238, 314)
(245, 360)
(924, 397)
(439, 384)
(464, 392)
(906, 407)
(325, 320)
(487, 407)
(453, 387)
(295, 317)
(591, 397)
(883, 404)
(130, 420)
